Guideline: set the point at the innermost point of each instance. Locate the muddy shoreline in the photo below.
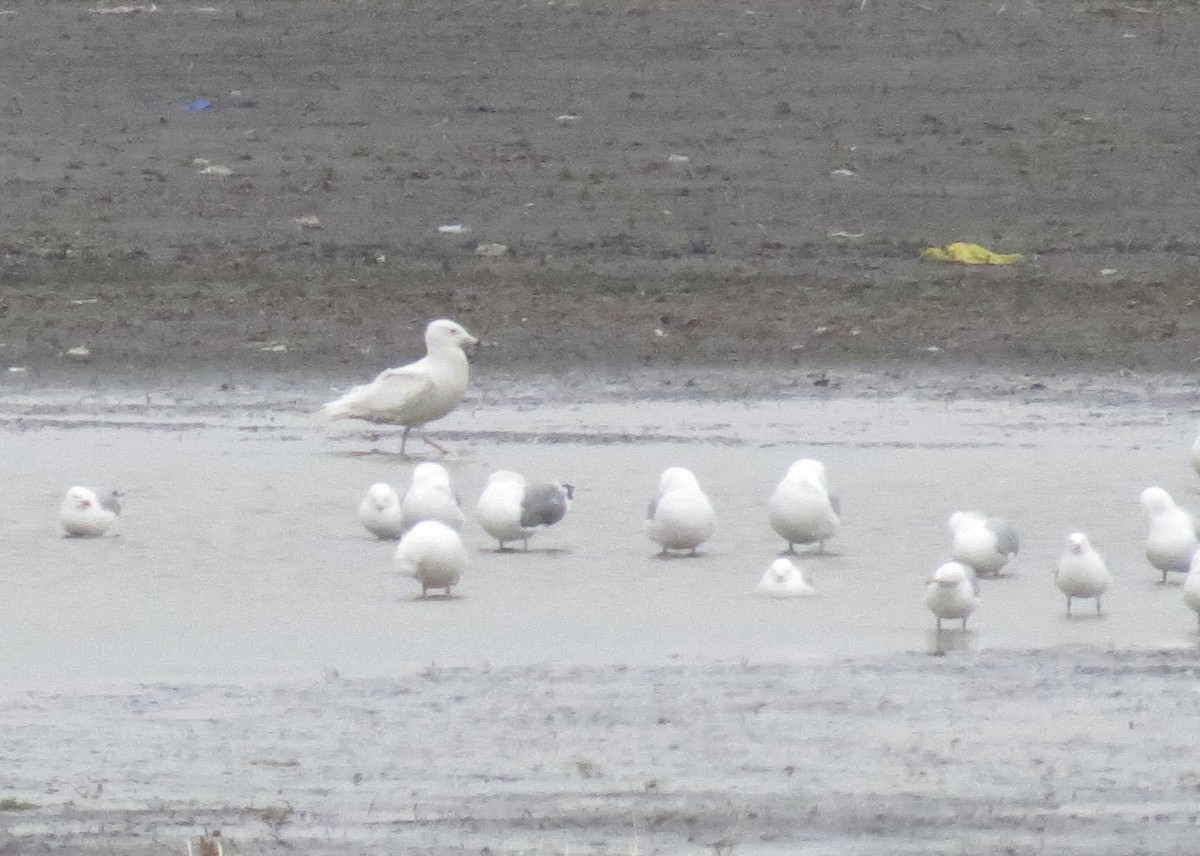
(626, 201)
(908, 754)
(357, 320)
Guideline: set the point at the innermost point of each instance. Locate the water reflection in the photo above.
(950, 639)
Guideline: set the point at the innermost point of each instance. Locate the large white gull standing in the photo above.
(784, 578)
(430, 496)
(1081, 571)
(417, 393)
(433, 554)
(801, 509)
(379, 512)
(680, 516)
(1171, 540)
(952, 593)
(84, 514)
(511, 510)
(983, 543)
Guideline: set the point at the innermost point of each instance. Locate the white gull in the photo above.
(985, 544)
(801, 509)
(85, 514)
(784, 579)
(416, 393)
(379, 512)
(511, 510)
(1081, 571)
(430, 497)
(1191, 585)
(952, 593)
(433, 554)
(680, 516)
(1171, 539)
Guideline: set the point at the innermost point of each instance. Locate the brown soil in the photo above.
(560, 131)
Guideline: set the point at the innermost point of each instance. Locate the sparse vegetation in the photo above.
(275, 762)
(14, 804)
(586, 768)
(274, 816)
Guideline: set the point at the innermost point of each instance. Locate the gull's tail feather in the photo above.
(345, 407)
(334, 410)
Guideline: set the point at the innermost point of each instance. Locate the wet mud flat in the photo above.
(1076, 751)
(239, 557)
(252, 668)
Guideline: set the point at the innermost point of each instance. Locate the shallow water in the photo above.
(240, 559)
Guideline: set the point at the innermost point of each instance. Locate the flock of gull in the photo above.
(982, 546)
(428, 516)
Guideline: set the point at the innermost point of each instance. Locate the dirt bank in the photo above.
(663, 181)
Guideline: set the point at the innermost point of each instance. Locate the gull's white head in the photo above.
(781, 569)
(446, 333)
(429, 473)
(1155, 501)
(950, 575)
(381, 495)
(809, 470)
(1077, 543)
(959, 519)
(80, 497)
(677, 478)
(784, 578)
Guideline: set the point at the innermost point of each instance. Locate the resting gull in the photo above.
(379, 511)
(952, 592)
(430, 497)
(801, 509)
(417, 393)
(1171, 540)
(433, 554)
(681, 516)
(985, 544)
(1081, 571)
(511, 510)
(1191, 585)
(784, 579)
(84, 514)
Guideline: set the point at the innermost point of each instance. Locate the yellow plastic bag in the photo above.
(968, 254)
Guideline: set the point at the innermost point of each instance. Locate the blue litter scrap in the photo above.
(199, 104)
